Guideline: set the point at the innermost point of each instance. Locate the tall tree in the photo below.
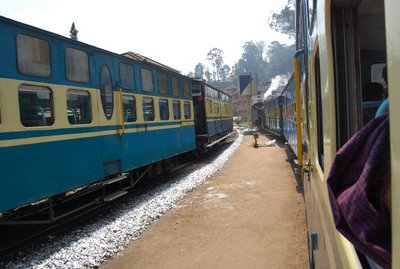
(73, 32)
(208, 75)
(280, 58)
(252, 60)
(216, 58)
(284, 21)
(199, 70)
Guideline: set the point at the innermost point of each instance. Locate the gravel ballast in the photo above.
(91, 245)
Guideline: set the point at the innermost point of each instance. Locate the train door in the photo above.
(199, 108)
(108, 117)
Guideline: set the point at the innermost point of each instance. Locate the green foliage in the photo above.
(199, 70)
(252, 61)
(216, 58)
(73, 32)
(284, 22)
(280, 58)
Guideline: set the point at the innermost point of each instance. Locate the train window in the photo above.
(129, 108)
(175, 86)
(320, 134)
(209, 105)
(176, 107)
(162, 84)
(127, 76)
(106, 90)
(76, 65)
(148, 109)
(35, 106)
(216, 108)
(79, 110)
(196, 90)
(186, 110)
(147, 80)
(186, 88)
(164, 111)
(33, 56)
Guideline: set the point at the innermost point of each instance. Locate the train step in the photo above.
(115, 179)
(114, 196)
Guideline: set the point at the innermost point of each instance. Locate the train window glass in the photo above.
(106, 90)
(186, 88)
(196, 90)
(176, 108)
(148, 109)
(147, 80)
(35, 106)
(129, 108)
(79, 110)
(162, 84)
(377, 73)
(175, 86)
(76, 65)
(320, 134)
(127, 76)
(186, 110)
(164, 111)
(33, 56)
(209, 106)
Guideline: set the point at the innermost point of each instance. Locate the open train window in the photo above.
(106, 90)
(148, 109)
(186, 88)
(175, 86)
(33, 56)
(186, 110)
(76, 65)
(35, 106)
(176, 109)
(164, 111)
(320, 133)
(162, 84)
(127, 76)
(79, 110)
(147, 79)
(129, 108)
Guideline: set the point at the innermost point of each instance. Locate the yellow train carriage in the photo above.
(344, 49)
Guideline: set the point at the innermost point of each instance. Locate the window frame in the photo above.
(18, 56)
(89, 103)
(51, 98)
(167, 106)
(102, 92)
(142, 80)
(66, 65)
(125, 97)
(144, 107)
(133, 77)
(173, 110)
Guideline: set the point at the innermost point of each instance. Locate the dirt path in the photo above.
(247, 216)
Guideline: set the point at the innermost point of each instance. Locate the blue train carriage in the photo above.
(72, 114)
(213, 114)
(273, 115)
(344, 50)
(289, 124)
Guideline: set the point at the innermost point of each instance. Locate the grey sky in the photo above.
(177, 33)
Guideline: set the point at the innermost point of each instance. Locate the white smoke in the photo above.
(278, 83)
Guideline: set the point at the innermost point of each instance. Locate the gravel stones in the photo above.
(88, 247)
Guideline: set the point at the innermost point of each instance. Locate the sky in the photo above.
(177, 33)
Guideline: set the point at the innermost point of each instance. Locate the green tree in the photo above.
(208, 75)
(284, 21)
(252, 60)
(73, 32)
(199, 70)
(216, 58)
(225, 72)
(280, 58)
